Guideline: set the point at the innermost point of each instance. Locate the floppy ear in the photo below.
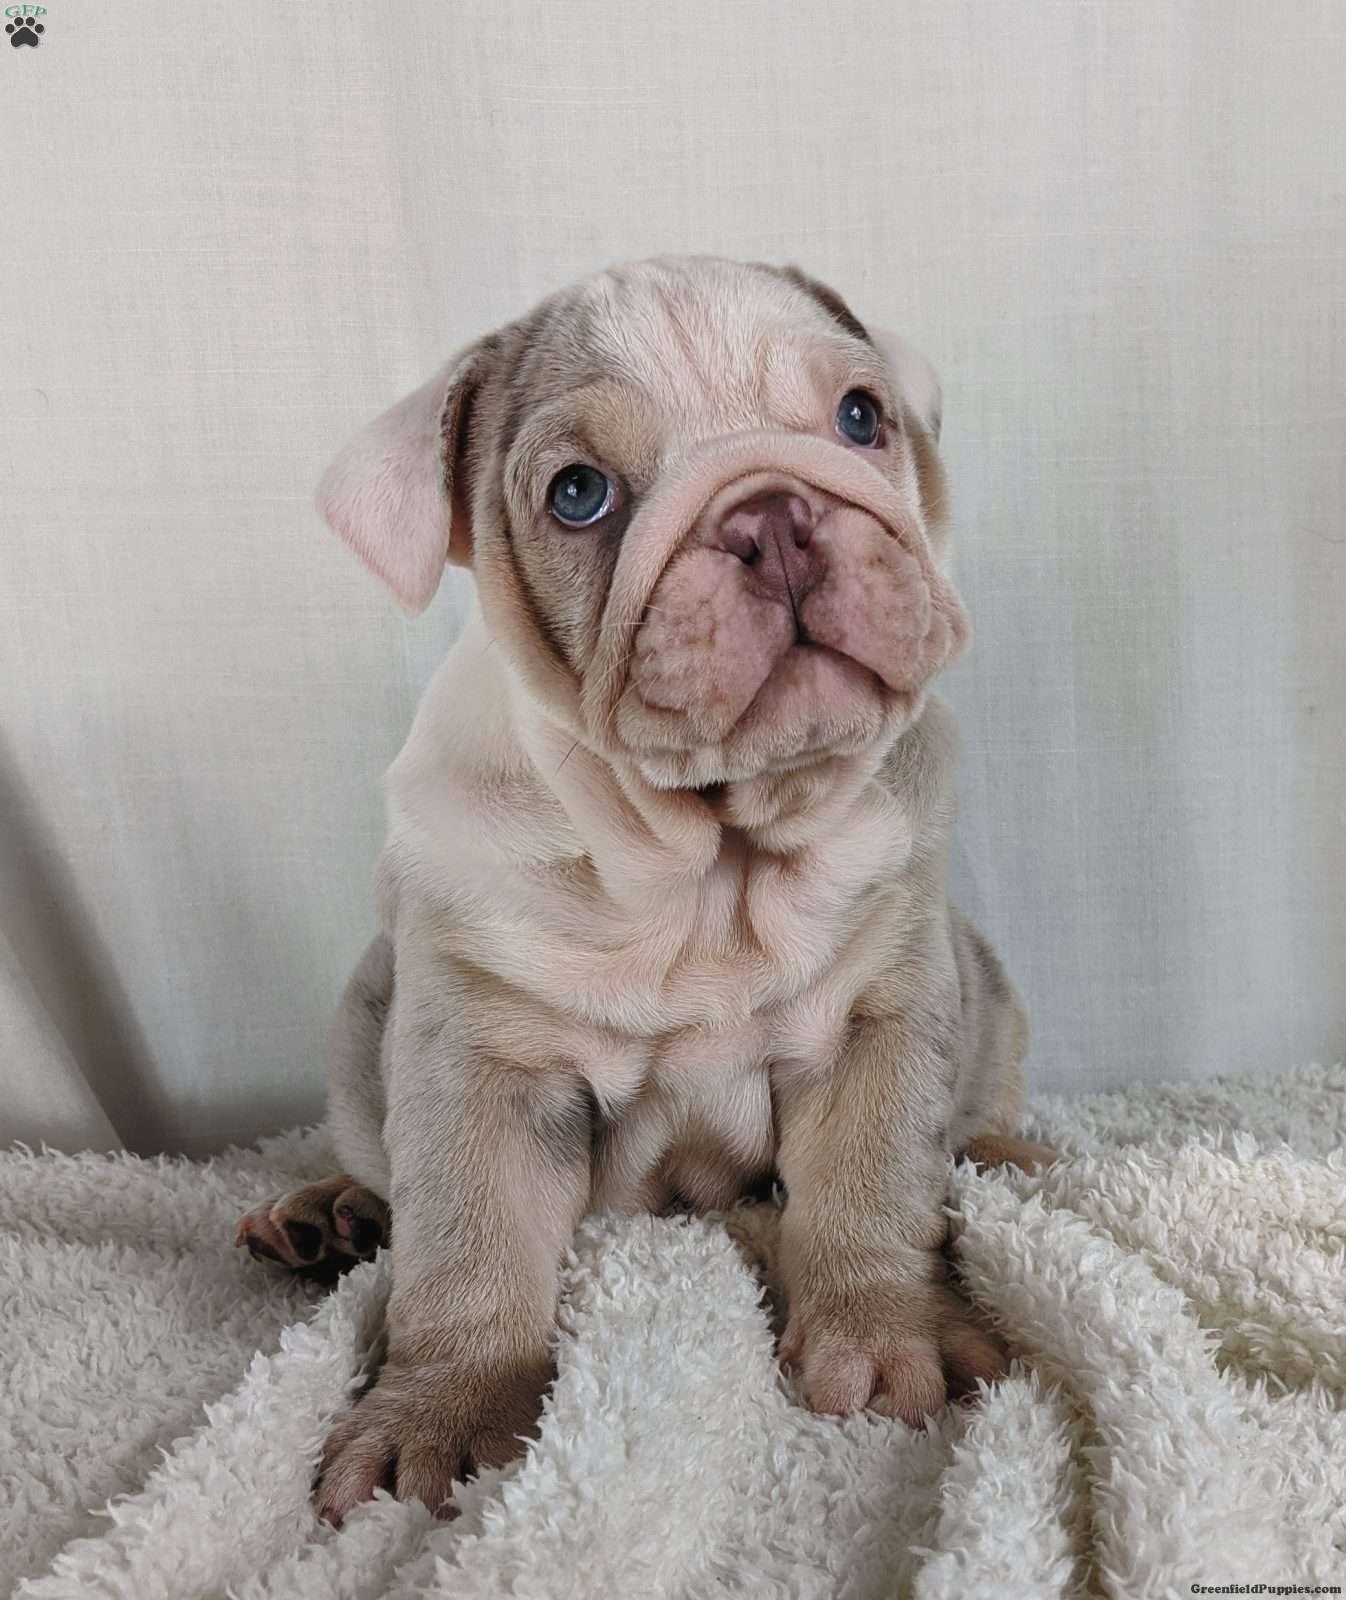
(917, 381)
(396, 494)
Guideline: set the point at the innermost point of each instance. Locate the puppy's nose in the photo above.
(749, 529)
(771, 533)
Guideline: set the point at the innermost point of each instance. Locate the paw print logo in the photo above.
(24, 30)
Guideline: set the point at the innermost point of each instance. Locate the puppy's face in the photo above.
(703, 508)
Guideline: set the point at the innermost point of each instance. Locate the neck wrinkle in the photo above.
(638, 838)
(642, 839)
(788, 815)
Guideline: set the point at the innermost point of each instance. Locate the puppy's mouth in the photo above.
(790, 625)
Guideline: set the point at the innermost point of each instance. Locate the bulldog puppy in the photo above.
(663, 899)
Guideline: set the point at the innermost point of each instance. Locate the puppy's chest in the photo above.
(729, 949)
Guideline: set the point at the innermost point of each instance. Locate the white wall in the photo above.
(231, 233)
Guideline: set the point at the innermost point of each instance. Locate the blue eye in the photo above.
(579, 495)
(858, 417)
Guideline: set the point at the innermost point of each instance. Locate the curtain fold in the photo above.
(45, 1098)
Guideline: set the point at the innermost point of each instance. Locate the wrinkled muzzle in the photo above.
(776, 596)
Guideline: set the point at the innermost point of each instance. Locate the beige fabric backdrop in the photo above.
(230, 233)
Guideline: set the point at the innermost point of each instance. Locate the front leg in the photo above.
(873, 1319)
(490, 1173)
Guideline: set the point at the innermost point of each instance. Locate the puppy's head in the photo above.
(703, 507)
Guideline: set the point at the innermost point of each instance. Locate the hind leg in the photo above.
(356, 1104)
(321, 1230)
(324, 1228)
(995, 1041)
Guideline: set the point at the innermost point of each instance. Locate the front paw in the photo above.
(423, 1428)
(904, 1351)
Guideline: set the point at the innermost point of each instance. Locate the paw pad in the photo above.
(318, 1231)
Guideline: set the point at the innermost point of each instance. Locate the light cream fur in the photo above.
(642, 959)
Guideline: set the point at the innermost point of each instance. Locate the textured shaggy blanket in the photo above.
(1174, 1291)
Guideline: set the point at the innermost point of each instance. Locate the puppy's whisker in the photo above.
(632, 627)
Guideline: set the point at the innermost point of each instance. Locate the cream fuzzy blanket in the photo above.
(1175, 1291)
